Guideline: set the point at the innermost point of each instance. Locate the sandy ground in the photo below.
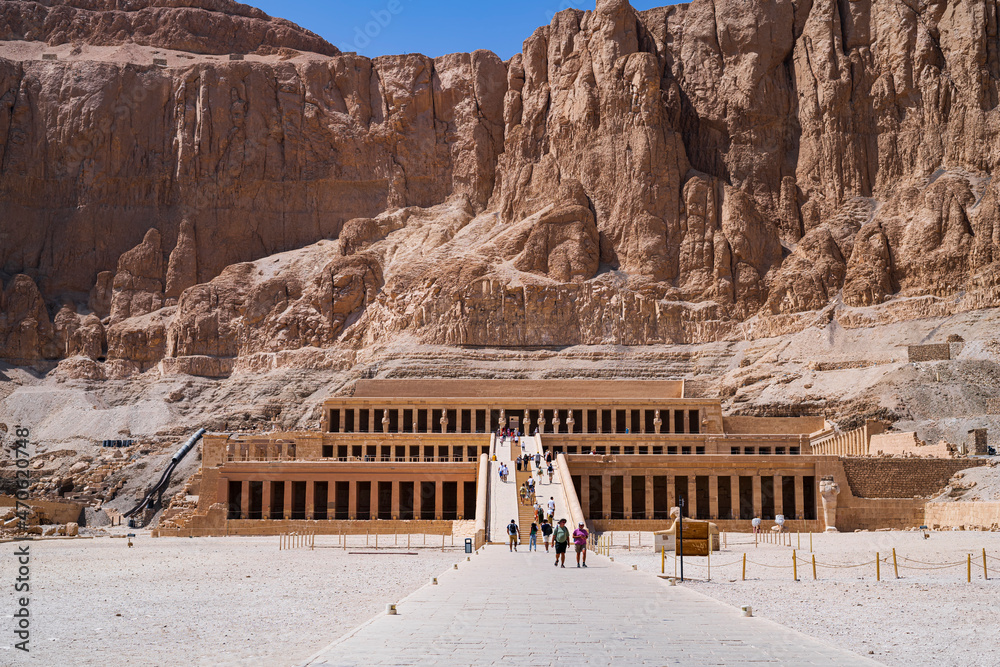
(926, 617)
(207, 601)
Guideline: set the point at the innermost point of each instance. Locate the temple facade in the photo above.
(420, 451)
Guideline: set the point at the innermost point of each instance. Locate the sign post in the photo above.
(680, 536)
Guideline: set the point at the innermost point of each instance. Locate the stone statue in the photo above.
(570, 421)
(385, 421)
(828, 490)
(555, 421)
(541, 421)
(444, 421)
(503, 418)
(657, 422)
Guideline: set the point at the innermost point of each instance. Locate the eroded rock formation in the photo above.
(685, 174)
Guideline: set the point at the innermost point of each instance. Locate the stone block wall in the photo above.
(971, 516)
(900, 444)
(933, 352)
(902, 478)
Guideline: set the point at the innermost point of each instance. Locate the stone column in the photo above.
(460, 499)
(310, 498)
(713, 496)
(758, 504)
(606, 496)
(614, 420)
(395, 499)
(828, 490)
(244, 499)
(642, 421)
(287, 508)
(352, 499)
(438, 499)
(692, 501)
(417, 499)
(650, 497)
(670, 420)
(265, 502)
(373, 500)
(779, 496)
(584, 495)
(734, 495)
(629, 426)
(671, 492)
(343, 414)
(799, 508)
(627, 495)
(586, 421)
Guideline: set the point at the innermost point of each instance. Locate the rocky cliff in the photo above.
(703, 172)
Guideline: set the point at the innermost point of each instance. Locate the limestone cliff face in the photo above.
(691, 173)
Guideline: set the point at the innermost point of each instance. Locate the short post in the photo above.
(798, 537)
(969, 570)
(985, 575)
(407, 541)
(709, 578)
(367, 535)
(895, 566)
(795, 567)
(663, 560)
(442, 542)
(878, 570)
(810, 542)
(814, 567)
(630, 541)
(744, 566)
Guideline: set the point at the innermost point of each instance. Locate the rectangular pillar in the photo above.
(734, 495)
(418, 504)
(671, 493)
(310, 498)
(586, 423)
(460, 499)
(352, 499)
(668, 423)
(438, 499)
(779, 496)
(692, 496)
(265, 502)
(650, 497)
(244, 499)
(373, 500)
(758, 503)
(799, 505)
(713, 496)
(287, 507)
(395, 499)
(606, 495)
(627, 495)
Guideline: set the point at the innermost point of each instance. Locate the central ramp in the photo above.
(606, 614)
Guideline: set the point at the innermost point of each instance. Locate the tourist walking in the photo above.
(548, 457)
(552, 507)
(538, 460)
(523, 493)
(513, 534)
(518, 463)
(551, 471)
(580, 536)
(546, 533)
(560, 540)
(533, 537)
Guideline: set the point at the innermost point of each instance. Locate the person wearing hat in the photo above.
(560, 539)
(580, 536)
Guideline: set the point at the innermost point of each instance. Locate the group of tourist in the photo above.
(527, 492)
(504, 472)
(560, 537)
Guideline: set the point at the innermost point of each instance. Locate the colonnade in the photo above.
(319, 499)
(470, 419)
(706, 496)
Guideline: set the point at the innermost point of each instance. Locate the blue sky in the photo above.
(431, 27)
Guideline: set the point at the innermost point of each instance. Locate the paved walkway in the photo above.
(517, 609)
(503, 497)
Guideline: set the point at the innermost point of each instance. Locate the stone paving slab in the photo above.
(518, 609)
